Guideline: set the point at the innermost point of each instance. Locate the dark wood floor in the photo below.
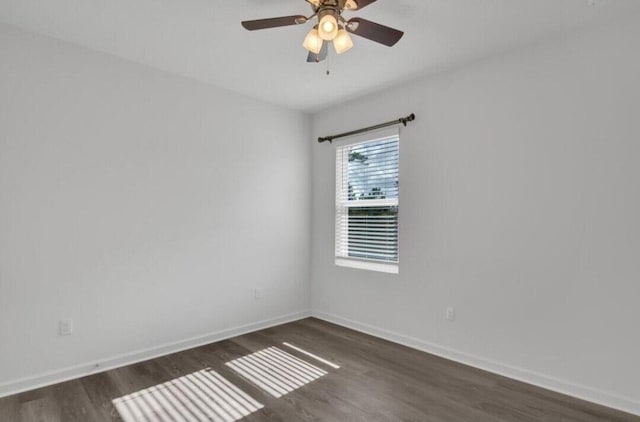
(377, 381)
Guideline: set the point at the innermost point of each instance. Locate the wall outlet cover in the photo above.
(450, 314)
(65, 327)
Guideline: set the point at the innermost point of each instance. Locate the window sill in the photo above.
(384, 267)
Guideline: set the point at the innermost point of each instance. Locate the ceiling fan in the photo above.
(332, 27)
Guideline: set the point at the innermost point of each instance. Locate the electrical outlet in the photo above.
(65, 327)
(257, 294)
(450, 314)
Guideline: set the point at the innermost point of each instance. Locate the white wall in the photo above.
(519, 205)
(143, 205)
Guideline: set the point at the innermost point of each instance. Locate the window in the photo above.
(367, 204)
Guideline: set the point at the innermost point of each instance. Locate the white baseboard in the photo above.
(583, 392)
(101, 365)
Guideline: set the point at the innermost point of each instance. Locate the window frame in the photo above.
(340, 255)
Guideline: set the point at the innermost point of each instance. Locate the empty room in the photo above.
(319, 210)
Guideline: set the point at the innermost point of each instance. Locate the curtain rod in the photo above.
(403, 120)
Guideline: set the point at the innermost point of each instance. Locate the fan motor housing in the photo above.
(337, 5)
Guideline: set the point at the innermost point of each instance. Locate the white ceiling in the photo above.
(203, 39)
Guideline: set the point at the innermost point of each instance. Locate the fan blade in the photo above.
(316, 58)
(363, 3)
(374, 31)
(273, 22)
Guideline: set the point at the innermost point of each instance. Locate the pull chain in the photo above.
(328, 60)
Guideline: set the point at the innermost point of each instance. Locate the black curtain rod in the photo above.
(403, 120)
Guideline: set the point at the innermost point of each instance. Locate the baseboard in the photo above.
(582, 392)
(101, 365)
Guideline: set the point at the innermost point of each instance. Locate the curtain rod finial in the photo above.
(409, 118)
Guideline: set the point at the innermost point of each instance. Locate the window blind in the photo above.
(367, 187)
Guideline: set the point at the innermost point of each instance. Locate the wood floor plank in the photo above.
(101, 391)
(73, 402)
(43, 409)
(377, 381)
(9, 408)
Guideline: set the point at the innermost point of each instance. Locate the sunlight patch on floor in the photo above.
(200, 396)
(276, 371)
(311, 355)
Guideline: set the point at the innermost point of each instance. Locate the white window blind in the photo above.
(367, 187)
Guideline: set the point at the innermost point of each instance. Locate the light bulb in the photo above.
(312, 41)
(342, 42)
(328, 27)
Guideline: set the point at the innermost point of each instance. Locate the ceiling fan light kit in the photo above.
(312, 41)
(351, 5)
(332, 27)
(328, 25)
(342, 42)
